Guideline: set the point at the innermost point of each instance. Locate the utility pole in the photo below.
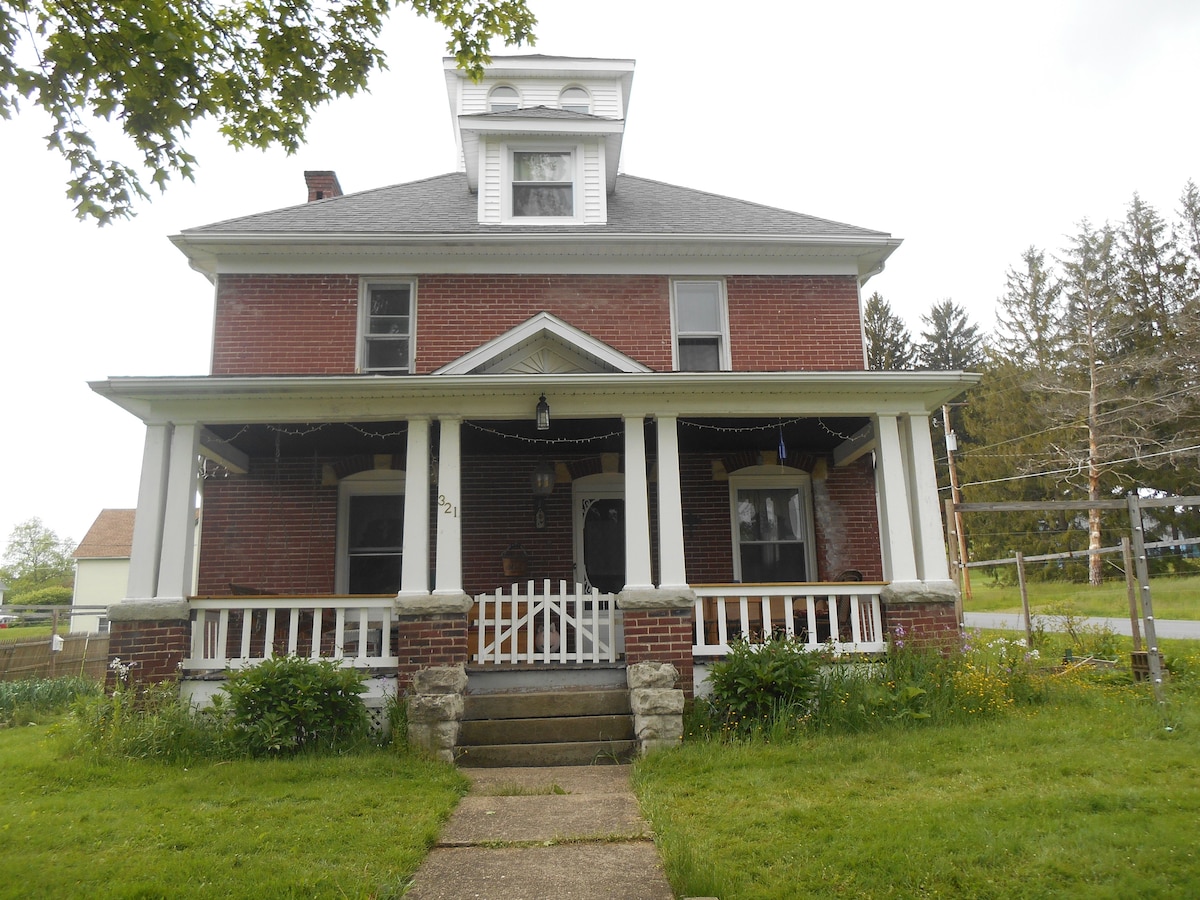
(956, 496)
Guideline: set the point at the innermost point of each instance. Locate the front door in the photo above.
(599, 526)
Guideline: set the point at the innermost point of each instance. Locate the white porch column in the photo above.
(179, 514)
(896, 526)
(927, 516)
(672, 569)
(148, 523)
(449, 512)
(637, 508)
(414, 575)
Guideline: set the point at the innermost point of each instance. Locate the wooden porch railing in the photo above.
(231, 632)
(525, 626)
(843, 616)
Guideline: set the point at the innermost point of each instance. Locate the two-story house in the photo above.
(534, 412)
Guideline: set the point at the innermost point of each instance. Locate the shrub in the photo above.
(756, 683)
(55, 595)
(286, 704)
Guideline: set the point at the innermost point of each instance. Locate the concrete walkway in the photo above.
(529, 834)
(1164, 628)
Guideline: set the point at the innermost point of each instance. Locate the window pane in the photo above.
(543, 200)
(698, 307)
(541, 166)
(387, 354)
(376, 522)
(503, 99)
(375, 574)
(699, 354)
(771, 514)
(389, 301)
(773, 562)
(575, 100)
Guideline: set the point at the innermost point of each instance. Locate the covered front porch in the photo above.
(400, 523)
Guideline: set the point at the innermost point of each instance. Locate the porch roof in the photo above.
(379, 398)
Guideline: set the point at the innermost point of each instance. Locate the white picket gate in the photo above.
(578, 626)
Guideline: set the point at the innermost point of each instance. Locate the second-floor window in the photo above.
(701, 326)
(386, 328)
(543, 183)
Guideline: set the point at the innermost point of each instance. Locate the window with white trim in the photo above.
(771, 511)
(700, 324)
(504, 99)
(385, 327)
(575, 99)
(370, 536)
(543, 184)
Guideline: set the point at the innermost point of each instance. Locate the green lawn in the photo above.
(349, 827)
(1174, 597)
(1090, 795)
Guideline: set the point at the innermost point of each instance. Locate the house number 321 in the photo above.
(448, 508)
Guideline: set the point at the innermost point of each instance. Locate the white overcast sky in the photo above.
(969, 130)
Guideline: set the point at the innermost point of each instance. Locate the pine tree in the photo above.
(889, 345)
(952, 341)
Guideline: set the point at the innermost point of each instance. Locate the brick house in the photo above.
(532, 413)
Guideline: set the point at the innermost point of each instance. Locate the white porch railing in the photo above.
(231, 632)
(843, 616)
(531, 627)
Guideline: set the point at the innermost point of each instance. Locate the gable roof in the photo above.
(443, 205)
(110, 537)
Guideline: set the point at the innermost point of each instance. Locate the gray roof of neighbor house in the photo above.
(110, 537)
(442, 205)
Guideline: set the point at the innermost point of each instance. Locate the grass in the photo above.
(1088, 794)
(1174, 597)
(351, 826)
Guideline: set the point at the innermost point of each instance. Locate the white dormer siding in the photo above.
(495, 179)
(605, 97)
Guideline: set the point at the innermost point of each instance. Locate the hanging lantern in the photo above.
(543, 414)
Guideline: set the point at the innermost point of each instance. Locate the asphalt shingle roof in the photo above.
(442, 205)
(110, 537)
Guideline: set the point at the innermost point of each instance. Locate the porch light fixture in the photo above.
(543, 414)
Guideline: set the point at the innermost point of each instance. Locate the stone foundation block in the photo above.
(440, 680)
(651, 675)
(656, 702)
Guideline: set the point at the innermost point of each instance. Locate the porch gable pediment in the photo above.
(542, 345)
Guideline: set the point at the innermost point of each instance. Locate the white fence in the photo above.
(567, 627)
(843, 617)
(239, 631)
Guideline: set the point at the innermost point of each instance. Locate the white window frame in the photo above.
(576, 87)
(576, 152)
(501, 87)
(365, 286)
(769, 477)
(372, 482)
(723, 353)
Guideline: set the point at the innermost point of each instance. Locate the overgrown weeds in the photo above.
(26, 701)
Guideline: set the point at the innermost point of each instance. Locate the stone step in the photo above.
(570, 729)
(574, 753)
(547, 704)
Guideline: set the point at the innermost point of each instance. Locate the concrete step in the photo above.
(568, 729)
(573, 753)
(547, 704)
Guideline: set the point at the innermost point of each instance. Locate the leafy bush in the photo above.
(21, 702)
(756, 683)
(55, 595)
(286, 704)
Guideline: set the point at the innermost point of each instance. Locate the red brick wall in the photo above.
(847, 522)
(925, 623)
(274, 529)
(794, 323)
(285, 325)
(154, 648)
(307, 324)
(661, 636)
(429, 641)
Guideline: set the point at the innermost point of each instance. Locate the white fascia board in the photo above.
(365, 398)
(516, 127)
(501, 252)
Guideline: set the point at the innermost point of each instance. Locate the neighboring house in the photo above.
(533, 370)
(101, 569)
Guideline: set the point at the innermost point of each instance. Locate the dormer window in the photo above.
(503, 99)
(543, 184)
(575, 99)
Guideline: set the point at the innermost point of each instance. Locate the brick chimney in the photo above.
(322, 185)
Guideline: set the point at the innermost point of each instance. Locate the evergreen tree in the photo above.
(952, 341)
(1029, 316)
(889, 345)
